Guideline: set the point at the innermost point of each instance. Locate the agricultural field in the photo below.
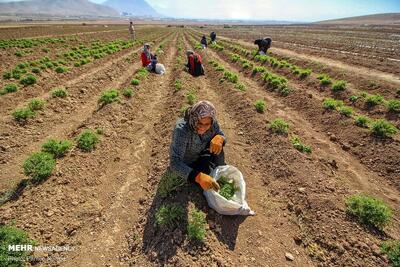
(85, 134)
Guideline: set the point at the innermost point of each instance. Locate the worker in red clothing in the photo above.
(194, 63)
(148, 59)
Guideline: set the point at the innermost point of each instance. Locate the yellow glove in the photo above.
(216, 144)
(207, 182)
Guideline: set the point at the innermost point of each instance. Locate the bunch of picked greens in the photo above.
(227, 188)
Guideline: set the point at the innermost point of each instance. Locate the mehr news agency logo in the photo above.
(32, 248)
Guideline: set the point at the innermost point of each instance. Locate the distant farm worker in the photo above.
(194, 63)
(213, 37)
(148, 59)
(203, 42)
(132, 31)
(197, 145)
(263, 45)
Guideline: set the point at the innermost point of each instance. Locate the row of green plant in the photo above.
(40, 165)
(274, 81)
(77, 56)
(280, 126)
(370, 100)
(172, 215)
(379, 127)
(32, 42)
(324, 79)
(274, 62)
(227, 75)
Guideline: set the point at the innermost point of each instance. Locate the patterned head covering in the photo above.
(146, 48)
(201, 109)
(189, 52)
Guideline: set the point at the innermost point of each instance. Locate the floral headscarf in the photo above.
(201, 109)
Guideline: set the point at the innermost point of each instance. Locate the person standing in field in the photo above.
(132, 31)
(213, 37)
(203, 42)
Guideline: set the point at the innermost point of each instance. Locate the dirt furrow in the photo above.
(285, 163)
(42, 89)
(58, 117)
(88, 191)
(355, 140)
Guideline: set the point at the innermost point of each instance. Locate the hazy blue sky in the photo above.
(297, 10)
(292, 10)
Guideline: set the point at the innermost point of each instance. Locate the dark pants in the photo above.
(207, 161)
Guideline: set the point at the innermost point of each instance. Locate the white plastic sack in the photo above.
(235, 206)
(160, 69)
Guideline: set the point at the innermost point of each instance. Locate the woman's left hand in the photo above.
(216, 144)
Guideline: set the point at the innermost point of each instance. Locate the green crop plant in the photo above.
(169, 215)
(362, 121)
(59, 92)
(23, 114)
(346, 111)
(330, 103)
(383, 128)
(178, 85)
(241, 87)
(219, 68)
(373, 100)
(36, 104)
(19, 54)
(339, 86)
(217, 47)
(183, 109)
(7, 75)
(393, 105)
(258, 69)
(304, 73)
(392, 250)
(369, 210)
(135, 82)
(128, 92)
(354, 98)
(28, 80)
(227, 188)
(262, 58)
(87, 140)
(16, 74)
(10, 235)
(36, 70)
(191, 97)
(198, 46)
(232, 77)
(39, 166)
(9, 88)
(260, 106)
(45, 50)
(300, 146)
(235, 57)
(141, 74)
(60, 69)
(57, 148)
(108, 97)
(196, 225)
(279, 126)
(169, 182)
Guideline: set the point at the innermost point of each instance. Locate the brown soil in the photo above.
(103, 203)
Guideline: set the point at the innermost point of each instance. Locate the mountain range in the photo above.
(132, 7)
(111, 8)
